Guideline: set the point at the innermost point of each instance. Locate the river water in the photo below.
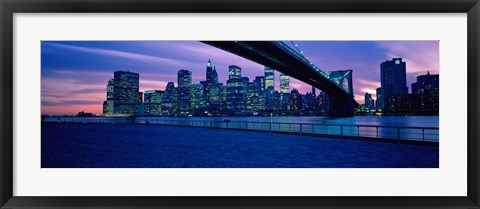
(418, 128)
(409, 121)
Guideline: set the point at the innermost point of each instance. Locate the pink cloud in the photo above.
(420, 56)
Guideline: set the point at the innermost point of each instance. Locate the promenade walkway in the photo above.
(67, 145)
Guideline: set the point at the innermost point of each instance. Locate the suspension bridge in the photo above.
(281, 57)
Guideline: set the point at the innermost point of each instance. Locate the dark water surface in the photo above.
(156, 146)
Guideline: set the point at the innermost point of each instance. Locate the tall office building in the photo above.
(379, 104)
(198, 97)
(252, 97)
(284, 101)
(277, 100)
(108, 105)
(234, 72)
(123, 94)
(269, 77)
(284, 92)
(369, 102)
(153, 101)
(212, 90)
(211, 73)
(223, 96)
(426, 93)
(311, 102)
(284, 83)
(237, 89)
(323, 102)
(296, 101)
(169, 100)
(259, 84)
(183, 92)
(393, 76)
(269, 88)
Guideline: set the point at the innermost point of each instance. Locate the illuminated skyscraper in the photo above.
(237, 89)
(379, 104)
(183, 92)
(284, 83)
(153, 101)
(323, 102)
(369, 102)
(123, 96)
(284, 92)
(295, 101)
(108, 105)
(269, 78)
(252, 97)
(426, 92)
(212, 90)
(234, 72)
(211, 76)
(198, 97)
(169, 100)
(269, 89)
(259, 84)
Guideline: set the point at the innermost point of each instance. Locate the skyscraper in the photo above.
(237, 88)
(269, 88)
(169, 100)
(259, 84)
(252, 97)
(234, 72)
(369, 103)
(284, 92)
(295, 101)
(183, 92)
(211, 76)
(426, 92)
(153, 101)
(212, 90)
(284, 83)
(323, 102)
(379, 104)
(123, 90)
(393, 76)
(108, 105)
(198, 98)
(269, 77)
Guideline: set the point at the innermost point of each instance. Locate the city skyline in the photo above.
(68, 90)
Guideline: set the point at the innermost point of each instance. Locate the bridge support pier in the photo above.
(341, 107)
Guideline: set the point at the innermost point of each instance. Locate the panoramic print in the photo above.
(240, 104)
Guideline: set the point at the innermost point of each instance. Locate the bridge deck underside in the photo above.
(267, 54)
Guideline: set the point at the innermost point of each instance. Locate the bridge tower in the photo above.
(342, 106)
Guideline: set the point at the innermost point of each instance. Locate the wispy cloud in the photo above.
(420, 56)
(119, 54)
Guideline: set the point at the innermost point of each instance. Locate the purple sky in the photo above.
(75, 73)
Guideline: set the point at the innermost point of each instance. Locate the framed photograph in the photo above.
(265, 104)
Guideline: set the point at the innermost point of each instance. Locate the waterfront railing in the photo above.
(375, 132)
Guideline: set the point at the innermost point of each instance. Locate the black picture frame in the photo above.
(9, 7)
